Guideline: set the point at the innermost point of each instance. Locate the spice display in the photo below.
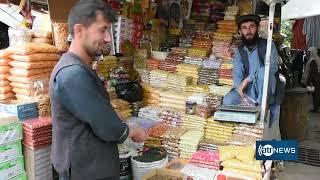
(218, 131)
(193, 122)
(189, 143)
(206, 159)
(150, 112)
(178, 82)
(171, 117)
(60, 34)
(122, 108)
(158, 78)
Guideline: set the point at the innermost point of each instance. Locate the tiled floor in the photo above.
(297, 171)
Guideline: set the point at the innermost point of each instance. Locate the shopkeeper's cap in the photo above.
(247, 18)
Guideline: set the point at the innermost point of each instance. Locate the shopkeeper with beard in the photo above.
(86, 129)
(248, 77)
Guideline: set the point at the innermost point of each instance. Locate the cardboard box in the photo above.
(10, 129)
(12, 168)
(162, 172)
(22, 110)
(10, 151)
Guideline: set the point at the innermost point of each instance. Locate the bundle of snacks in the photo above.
(103, 67)
(228, 26)
(193, 122)
(190, 70)
(178, 82)
(189, 143)
(153, 64)
(155, 133)
(198, 52)
(158, 78)
(218, 131)
(44, 106)
(241, 160)
(180, 51)
(206, 159)
(247, 135)
(140, 58)
(219, 90)
(170, 142)
(144, 75)
(171, 117)
(161, 55)
(225, 74)
(175, 57)
(136, 106)
(42, 37)
(200, 173)
(168, 65)
(173, 99)
(198, 88)
(222, 48)
(32, 62)
(209, 145)
(213, 101)
(122, 108)
(151, 95)
(208, 76)
(5, 87)
(150, 112)
(193, 60)
(60, 34)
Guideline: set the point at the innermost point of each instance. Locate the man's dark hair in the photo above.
(85, 12)
(246, 18)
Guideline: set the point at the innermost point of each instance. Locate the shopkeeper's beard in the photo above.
(250, 42)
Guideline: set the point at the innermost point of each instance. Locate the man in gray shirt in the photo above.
(86, 129)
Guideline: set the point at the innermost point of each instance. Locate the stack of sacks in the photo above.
(151, 95)
(189, 143)
(37, 133)
(241, 160)
(213, 101)
(161, 55)
(198, 52)
(158, 78)
(193, 122)
(104, 66)
(168, 65)
(222, 48)
(190, 70)
(178, 82)
(30, 63)
(247, 135)
(150, 112)
(173, 99)
(5, 88)
(198, 88)
(42, 37)
(219, 90)
(231, 12)
(206, 159)
(171, 117)
(153, 64)
(193, 60)
(217, 131)
(227, 26)
(144, 75)
(225, 74)
(136, 106)
(37, 138)
(122, 108)
(208, 145)
(155, 133)
(171, 140)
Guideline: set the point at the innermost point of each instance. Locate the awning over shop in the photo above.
(296, 9)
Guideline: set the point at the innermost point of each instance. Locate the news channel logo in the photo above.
(277, 150)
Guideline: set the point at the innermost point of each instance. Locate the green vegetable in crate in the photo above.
(127, 48)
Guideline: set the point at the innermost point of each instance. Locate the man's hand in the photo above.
(137, 134)
(243, 86)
